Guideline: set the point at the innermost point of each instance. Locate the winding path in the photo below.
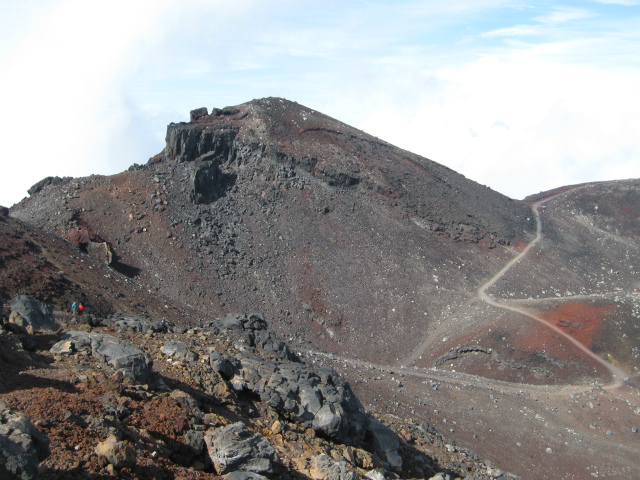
(618, 375)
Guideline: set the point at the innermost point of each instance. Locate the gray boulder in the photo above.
(250, 332)
(29, 312)
(320, 399)
(235, 447)
(221, 365)
(233, 321)
(124, 321)
(179, 350)
(323, 467)
(22, 446)
(385, 442)
(121, 355)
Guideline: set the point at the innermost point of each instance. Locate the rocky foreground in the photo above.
(129, 397)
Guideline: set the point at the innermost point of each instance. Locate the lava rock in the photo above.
(179, 350)
(323, 468)
(118, 454)
(22, 445)
(220, 365)
(235, 447)
(29, 312)
(321, 400)
(123, 356)
(37, 187)
(385, 441)
(124, 321)
(239, 475)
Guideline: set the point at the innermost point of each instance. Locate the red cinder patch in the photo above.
(580, 320)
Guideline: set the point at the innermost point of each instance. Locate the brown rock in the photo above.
(78, 237)
(118, 454)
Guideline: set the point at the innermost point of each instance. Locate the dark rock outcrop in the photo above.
(22, 446)
(235, 447)
(121, 355)
(37, 187)
(321, 400)
(124, 321)
(250, 332)
(179, 350)
(29, 312)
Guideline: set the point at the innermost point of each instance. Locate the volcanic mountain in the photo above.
(348, 243)
(438, 298)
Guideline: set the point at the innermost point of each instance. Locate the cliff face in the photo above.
(283, 139)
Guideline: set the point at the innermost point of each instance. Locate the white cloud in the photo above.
(58, 89)
(516, 31)
(562, 15)
(523, 124)
(86, 89)
(626, 3)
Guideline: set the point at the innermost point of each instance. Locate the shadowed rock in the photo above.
(123, 356)
(22, 445)
(235, 447)
(29, 312)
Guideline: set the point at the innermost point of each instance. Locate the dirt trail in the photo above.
(618, 375)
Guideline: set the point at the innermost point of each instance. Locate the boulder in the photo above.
(385, 442)
(221, 365)
(118, 454)
(235, 447)
(323, 468)
(233, 321)
(29, 312)
(78, 237)
(124, 321)
(121, 355)
(22, 445)
(179, 350)
(240, 475)
(251, 331)
(320, 399)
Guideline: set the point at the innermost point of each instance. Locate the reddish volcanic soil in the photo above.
(581, 320)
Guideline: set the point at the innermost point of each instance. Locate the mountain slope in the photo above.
(269, 205)
(373, 260)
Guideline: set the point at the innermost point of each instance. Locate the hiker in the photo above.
(74, 307)
(80, 309)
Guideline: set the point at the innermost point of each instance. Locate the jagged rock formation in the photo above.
(123, 356)
(284, 142)
(271, 417)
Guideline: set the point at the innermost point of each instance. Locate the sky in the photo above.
(521, 96)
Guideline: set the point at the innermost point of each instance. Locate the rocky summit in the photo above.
(277, 294)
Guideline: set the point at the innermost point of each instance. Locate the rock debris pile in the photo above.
(132, 398)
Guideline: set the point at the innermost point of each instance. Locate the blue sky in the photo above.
(520, 96)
